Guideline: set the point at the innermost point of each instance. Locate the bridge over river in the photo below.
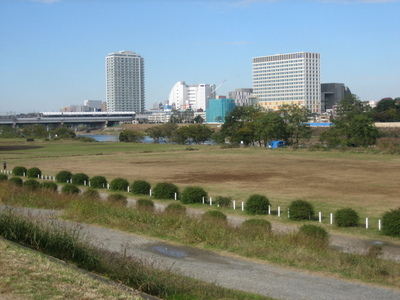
(74, 119)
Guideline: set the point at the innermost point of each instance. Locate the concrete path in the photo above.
(241, 274)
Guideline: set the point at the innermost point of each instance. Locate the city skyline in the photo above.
(52, 52)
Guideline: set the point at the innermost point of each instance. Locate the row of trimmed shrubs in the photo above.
(255, 205)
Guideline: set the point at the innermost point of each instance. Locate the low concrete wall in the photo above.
(388, 125)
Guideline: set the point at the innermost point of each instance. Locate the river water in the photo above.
(113, 138)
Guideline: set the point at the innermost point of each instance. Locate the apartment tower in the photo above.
(292, 79)
(125, 82)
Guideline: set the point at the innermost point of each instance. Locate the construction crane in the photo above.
(214, 90)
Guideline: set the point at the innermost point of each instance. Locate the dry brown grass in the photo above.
(332, 180)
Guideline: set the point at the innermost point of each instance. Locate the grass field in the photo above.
(330, 180)
(28, 274)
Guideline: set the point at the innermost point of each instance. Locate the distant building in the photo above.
(241, 96)
(292, 78)
(195, 96)
(331, 94)
(125, 82)
(93, 105)
(218, 109)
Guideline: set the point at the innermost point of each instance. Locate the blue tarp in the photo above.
(276, 144)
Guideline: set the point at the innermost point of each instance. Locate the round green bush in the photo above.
(165, 190)
(16, 180)
(214, 215)
(63, 176)
(313, 236)
(223, 201)
(301, 210)
(3, 177)
(193, 194)
(257, 205)
(34, 173)
(175, 208)
(49, 186)
(346, 217)
(257, 224)
(98, 182)
(70, 188)
(391, 222)
(140, 187)
(117, 198)
(119, 184)
(91, 193)
(314, 231)
(145, 204)
(19, 171)
(32, 184)
(80, 179)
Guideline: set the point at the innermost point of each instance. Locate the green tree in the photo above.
(130, 136)
(198, 119)
(165, 131)
(63, 133)
(35, 131)
(296, 118)
(352, 126)
(269, 126)
(193, 134)
(8, 131)
(155, 133)
(387, 110)
(239, 126)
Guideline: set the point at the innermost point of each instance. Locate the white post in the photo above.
(127, 189)
(379, 225)
(269, 209)
(242, 206)
(150, 193)
(38, 176)
(203, 200)
(84, 182)
(366, 223)
(234, 204)
(108, 186)
(89, 182)
(288, 213)
(175, 196)
(331, 218)
(24, 174)
(210, 201)
(320, 217)
(279, 211)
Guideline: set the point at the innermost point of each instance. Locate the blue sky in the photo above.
(52, 52)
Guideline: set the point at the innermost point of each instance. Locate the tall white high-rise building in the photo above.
(293, 79)
(125, 82)
(191, 96)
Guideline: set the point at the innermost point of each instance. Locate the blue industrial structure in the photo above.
(218, 109)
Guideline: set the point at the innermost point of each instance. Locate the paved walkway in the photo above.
(236, 273)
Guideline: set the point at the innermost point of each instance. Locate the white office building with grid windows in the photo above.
(293, 79)
(125, 82)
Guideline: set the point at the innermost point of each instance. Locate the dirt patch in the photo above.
(15, 147)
